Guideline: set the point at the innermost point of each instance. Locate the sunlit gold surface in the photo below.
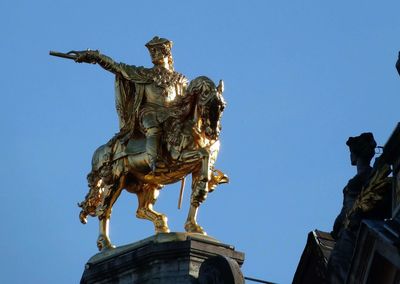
(168, 129)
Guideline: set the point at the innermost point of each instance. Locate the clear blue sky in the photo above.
(300, 78)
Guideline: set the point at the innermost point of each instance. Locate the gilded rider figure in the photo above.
(145, 97)
(168, 130)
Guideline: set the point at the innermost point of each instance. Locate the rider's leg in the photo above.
(153, 135)
(152, 130)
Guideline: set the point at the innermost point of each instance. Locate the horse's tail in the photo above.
(100, 180)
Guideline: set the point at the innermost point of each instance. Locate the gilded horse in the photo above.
(190, 145)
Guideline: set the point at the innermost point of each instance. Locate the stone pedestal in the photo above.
(165, 258)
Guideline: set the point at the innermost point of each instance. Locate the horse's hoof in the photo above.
(104, 244)
(161, 225)
(162, 230)
(194, 228)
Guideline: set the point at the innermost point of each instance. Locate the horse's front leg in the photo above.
(199, 194)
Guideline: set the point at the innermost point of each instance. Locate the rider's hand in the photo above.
(87, 56)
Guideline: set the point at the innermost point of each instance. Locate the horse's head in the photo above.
(209, 105)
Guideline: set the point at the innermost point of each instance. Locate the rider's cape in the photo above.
(129, 93)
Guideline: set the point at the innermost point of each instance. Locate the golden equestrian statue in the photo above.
(168, 130)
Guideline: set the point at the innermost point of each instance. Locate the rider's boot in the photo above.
(152, 141)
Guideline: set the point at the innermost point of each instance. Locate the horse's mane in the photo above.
(201, 86)
(196, 93)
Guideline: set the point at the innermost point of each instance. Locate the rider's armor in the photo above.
(158, 106)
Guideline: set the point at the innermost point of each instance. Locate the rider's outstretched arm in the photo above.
(94, 56)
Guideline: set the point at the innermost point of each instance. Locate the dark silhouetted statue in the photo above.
(362, 150)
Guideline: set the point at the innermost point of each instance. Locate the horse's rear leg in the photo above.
(103, 240)
(147, 196)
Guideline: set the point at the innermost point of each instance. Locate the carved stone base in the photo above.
(166, 258)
